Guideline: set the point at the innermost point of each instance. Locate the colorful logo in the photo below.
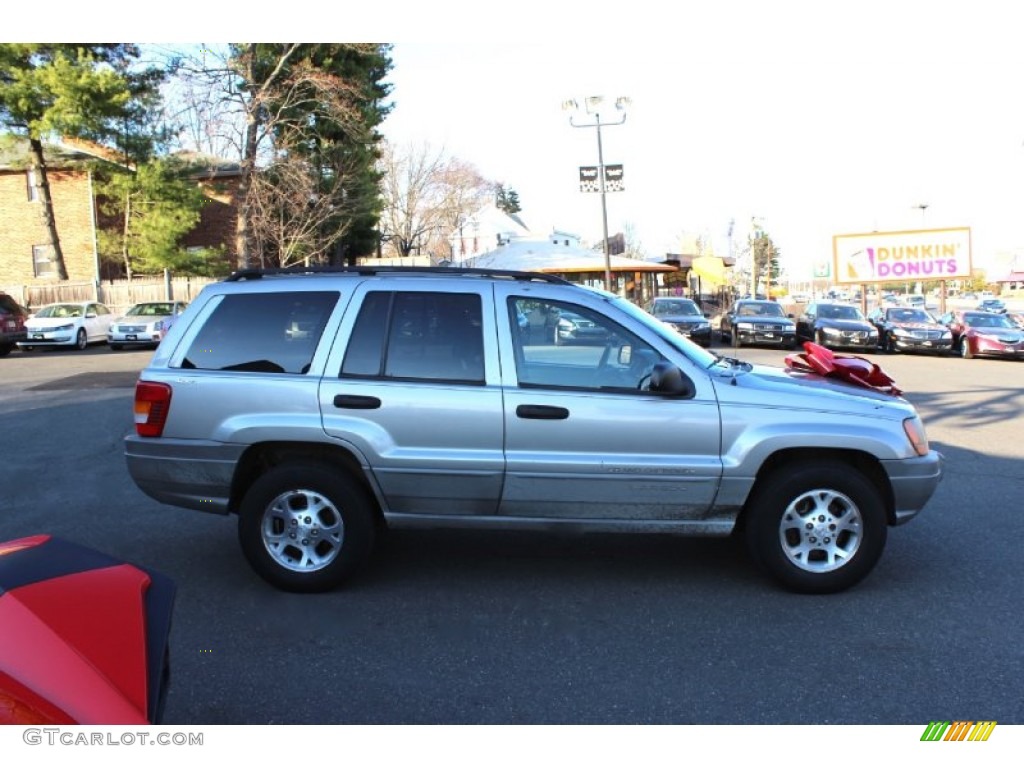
(961, 730)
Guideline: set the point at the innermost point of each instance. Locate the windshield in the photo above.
(988, 321)
(908, 316)
(60, 310)
(674, 307)
(839, 312)
(758, 309)
(150, 309)
(693, 351)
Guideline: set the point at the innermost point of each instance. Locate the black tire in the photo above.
(82, 339)
(734, 339)
(816, 529)
(5, 350)
(890, 345)
(819, 338)
(326, 546)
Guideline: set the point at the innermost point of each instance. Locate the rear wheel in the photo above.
(306, 528)
(816, 529)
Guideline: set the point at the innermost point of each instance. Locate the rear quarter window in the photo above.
(262, 332)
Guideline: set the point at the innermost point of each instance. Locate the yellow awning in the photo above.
(710, 269)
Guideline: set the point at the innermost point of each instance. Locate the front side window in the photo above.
(417, 336)
(560, 345)
(262, 332)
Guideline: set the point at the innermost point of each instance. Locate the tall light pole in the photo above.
(592, 106)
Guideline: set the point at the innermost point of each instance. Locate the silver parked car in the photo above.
(419, 398)
(144, 324)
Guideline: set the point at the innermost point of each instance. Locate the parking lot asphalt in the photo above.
(483, 627)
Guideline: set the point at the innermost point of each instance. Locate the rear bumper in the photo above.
(194, 474)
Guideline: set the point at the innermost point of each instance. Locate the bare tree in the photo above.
(267, 100)
(428, 196)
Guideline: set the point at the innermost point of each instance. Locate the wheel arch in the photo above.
(261, 457)
(867, 464)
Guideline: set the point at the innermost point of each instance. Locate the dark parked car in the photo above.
(684, 316)
(12, 323)
(992, 305)
(577, 329)
(908, 329)
(758, 322)
(977, 334)
(836, 326)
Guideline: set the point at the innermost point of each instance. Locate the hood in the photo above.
(762, 320)
(683, 318)
(845, 325)
(51, 322)
(798, 390)
(917, 325)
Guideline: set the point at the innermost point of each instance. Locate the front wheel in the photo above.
(816, 529)
(734, 339)
(965, 349)
(82, 339)
(819, 339)
(306, 528)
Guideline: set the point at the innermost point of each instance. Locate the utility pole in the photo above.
(592, 106)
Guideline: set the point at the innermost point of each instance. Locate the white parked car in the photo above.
(144, 324)
(67, 324)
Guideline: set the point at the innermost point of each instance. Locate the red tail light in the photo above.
(152, 403)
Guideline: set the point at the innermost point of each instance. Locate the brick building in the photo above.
(26, 256)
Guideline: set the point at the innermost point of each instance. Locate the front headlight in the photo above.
(745, 326)
(702, 326)
(901, 332)
(67, 327)
(914, 428)
(831, 331)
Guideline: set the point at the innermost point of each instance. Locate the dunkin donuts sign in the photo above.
(878, 257)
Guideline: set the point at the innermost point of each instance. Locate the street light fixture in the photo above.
(592, 106)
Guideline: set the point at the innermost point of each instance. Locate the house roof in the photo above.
(534, 255)
(14, 154)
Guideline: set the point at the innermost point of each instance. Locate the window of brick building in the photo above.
(43, 262)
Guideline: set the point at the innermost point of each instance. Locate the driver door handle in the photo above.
(541, 412)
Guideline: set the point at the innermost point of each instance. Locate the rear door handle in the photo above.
(541, 412)
(358, 402)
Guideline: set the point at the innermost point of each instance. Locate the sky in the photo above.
(814, 118)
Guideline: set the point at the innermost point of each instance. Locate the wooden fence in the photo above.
(119, 295)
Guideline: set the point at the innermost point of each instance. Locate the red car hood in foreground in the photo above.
(83, 636)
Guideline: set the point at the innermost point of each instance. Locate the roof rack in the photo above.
(508, 274)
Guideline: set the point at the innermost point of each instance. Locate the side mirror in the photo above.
(625, 354)
(667, 379)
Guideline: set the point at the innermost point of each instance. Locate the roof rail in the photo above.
(509, 274)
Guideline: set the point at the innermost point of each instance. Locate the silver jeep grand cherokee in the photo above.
(321, 406)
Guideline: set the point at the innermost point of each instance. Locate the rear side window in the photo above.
(262, 332)
(411, 335)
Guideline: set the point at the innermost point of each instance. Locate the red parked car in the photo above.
(977, 334)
